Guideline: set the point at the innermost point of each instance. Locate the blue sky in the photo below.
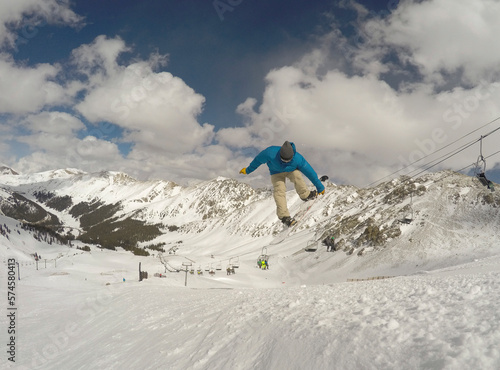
(220, 50)
(192, 90)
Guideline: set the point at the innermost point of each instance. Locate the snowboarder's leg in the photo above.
(278, 181)
(300, 185)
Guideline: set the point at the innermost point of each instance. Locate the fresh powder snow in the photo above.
(426, 297)
(88, 310)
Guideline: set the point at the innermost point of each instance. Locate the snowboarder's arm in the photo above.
(309, 172)
(261, 158)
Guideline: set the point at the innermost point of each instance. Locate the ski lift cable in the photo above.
(418, 160)
(436, 151)
(437, 161)
(444, 159)
(491, 155)
(470, 165)
(440, 158)
(446, 156)
(464, 168)
(480, 159)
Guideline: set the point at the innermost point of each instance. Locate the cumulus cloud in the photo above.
(206, 162)
(412, 80)
(28, 89)
(53, 143)
(356, 123)
(98, 61)
(235, 137)
(20, 19)
(157, 110)
(55, 123)
(54, 151)
(358, 127)
(443, 37)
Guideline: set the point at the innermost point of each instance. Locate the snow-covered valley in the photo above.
(426, 298)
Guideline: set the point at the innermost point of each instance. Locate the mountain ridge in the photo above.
(114, 209)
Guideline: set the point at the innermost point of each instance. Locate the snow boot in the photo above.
(312, 195)
(288, 221)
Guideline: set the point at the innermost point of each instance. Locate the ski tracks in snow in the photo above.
(439, 320)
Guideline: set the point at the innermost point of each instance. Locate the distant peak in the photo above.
(116, 176)
(4, 170)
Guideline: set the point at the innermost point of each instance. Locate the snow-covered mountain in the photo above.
(425, 250)
(4, 170)
(114, 209)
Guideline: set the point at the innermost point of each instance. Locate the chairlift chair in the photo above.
(408, 218)
(263, 256)
(484, 181)
(235, 262)
(312, 246)
(480, 169)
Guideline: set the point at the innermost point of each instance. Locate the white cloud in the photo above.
(352, 124)
(206, 162)
(332, 111)
(51, 139)
(98, 60)
(356, 112)
(93, 149)
(358, 128)
(21, 19)
(157, 110)
(236, 137)
(444, 36)
(28, 89)
(57, 123)
(52, 151)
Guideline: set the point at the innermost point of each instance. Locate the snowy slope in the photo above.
(219, 216)
(81, 314)
(423, 295)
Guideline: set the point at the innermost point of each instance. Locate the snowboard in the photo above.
(304, 208)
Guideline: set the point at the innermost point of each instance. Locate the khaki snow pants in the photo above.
(278, 181)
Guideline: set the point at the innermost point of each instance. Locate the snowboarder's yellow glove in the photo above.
(322, 193)
(243, 171)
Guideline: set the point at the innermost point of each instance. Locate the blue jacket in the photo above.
(271, 157)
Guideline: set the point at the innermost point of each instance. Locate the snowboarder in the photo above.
(285, 162)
